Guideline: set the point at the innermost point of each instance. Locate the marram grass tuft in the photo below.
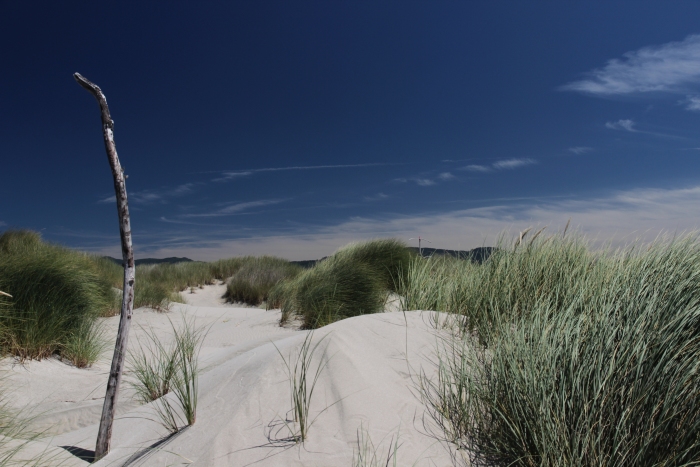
(356, 280)
(567, 356)
(251, 284)
(57, 295)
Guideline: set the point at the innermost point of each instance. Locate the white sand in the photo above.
(244, 394)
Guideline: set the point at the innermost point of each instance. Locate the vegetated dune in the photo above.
(558, 337)
(366, 389)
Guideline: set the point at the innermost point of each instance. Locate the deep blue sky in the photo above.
(452, 120)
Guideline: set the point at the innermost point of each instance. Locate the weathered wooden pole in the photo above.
(104, 434)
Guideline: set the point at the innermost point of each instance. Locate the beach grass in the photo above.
(158, 285)
(57, 296)
(355, 280)
(188, 342)
(17, 437)
(47, 278)
(252, 282)
(302, 383)
(110, 271)
(367, 454)
(161, 369)
(249, 279)
(388, 257)
(152, 368)
(568, 356)
(552, 353)
(222, 269)
(84, 346)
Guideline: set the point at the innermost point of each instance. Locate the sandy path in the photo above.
(368, 382)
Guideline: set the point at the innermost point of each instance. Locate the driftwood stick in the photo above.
(104, 434)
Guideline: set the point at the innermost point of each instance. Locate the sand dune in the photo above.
(368, 383)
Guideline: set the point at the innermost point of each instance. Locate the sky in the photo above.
(292, 128)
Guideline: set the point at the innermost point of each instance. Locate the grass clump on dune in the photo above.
(224, 268)
(302, 383)
(111, 272)
(253, 281)
(161, 369)
(159, 285)
(367, 454)
(388, 257)
(354, 281)
(154, 293)
(574, 357)
(57, 295)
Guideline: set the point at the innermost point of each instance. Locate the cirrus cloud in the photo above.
(477, 168)
(627, 125)
(504, 164)
(236, 208)
(158, 196)
(616, 218)
(512, 163)
(578, 150)
(671, 67)
(692, 102)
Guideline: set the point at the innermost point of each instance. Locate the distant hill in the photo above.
(171, 260)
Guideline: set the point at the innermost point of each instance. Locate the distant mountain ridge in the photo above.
(170, 260)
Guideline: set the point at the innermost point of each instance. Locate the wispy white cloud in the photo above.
(512, 163)
(627, 125)
(154, 196)
(670, 67)
(176, 221)
(477, 168)
(619, 217)
(578, 150)
(443, 177)
(183, 189)
(692, 102)
(228, 175)
(505, 164)
(631, 126)
(236, 208)
(318, 167)
(3, 224)
(377, 197)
